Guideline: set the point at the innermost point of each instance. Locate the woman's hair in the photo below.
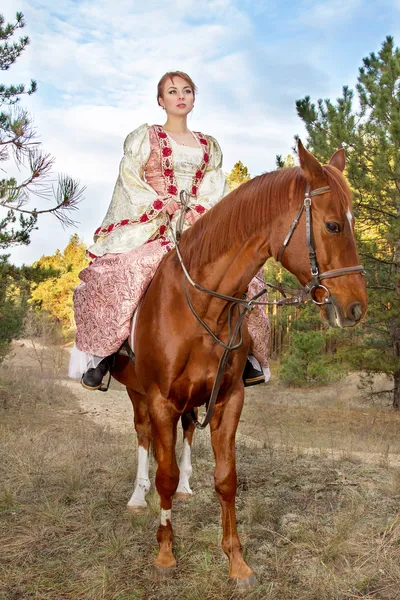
(171, 75)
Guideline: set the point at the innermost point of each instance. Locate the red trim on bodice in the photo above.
(165, 152)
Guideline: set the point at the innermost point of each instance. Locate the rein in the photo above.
(244, 306)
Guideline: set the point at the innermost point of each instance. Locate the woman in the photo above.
(159, 162)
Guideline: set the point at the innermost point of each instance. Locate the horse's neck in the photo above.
(232, 272)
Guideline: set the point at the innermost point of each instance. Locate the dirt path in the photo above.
(113, 410)
(333, 421)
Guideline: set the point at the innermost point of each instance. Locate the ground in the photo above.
(318, 494)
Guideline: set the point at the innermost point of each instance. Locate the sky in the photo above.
(97, 65)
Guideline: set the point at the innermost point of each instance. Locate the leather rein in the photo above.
(244, 306)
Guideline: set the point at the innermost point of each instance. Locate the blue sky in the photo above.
(97, 65)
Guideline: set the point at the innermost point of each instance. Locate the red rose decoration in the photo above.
(172, 189)
(144, 218)
(158, 204)
(166, 151)
(168, 172)
(162, 135)
(97, 231)
(200, 209)
(162, 229)
(110, 227)
(124, 222)
(199, 174)
(203, 141)
(194, 189)
(206, 158)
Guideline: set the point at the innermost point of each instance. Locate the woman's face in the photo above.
(178, 97)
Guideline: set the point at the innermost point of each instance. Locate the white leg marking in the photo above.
(185, 470)
(165, 516)
(142, 482)
(349, 216)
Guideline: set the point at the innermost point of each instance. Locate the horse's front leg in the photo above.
(137, 501)
(183, 491)
(223, 429)
(164, 425)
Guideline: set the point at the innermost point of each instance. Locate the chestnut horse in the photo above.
(177, 360)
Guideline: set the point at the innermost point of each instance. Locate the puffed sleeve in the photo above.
(214, 186)
(131, 218)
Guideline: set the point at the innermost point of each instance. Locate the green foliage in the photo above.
(371, 136)
(238, 175)
(288, 161)
(15, 283)
(55, 294)
(305, 364)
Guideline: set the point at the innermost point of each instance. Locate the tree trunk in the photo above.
(396, 393)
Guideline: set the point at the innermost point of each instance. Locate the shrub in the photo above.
(306, 364)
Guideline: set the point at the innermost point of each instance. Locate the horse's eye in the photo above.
(333, 227)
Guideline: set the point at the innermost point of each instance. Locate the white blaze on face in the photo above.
(165, 516)
(349, 217)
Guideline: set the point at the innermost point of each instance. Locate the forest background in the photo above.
(366, 122)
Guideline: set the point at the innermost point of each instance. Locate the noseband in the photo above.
(315, 283)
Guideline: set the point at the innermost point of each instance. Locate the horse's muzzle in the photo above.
(336, 317)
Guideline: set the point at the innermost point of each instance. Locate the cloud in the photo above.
(98, 64)
(327, 13)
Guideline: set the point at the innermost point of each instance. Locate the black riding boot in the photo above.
(252, 374)
(93, 378)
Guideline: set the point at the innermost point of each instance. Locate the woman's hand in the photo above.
(171, 208)
(191, 217)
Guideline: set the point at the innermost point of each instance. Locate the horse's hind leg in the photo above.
(223, 429)
(143, 431)
(164, 425)
(183, 490)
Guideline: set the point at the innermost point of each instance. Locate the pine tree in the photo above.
(18, 212)
(19, 215)
(239, 174)
(371, 137)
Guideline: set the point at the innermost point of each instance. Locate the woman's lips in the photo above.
(181, 105)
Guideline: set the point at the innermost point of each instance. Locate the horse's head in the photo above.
(329, 231)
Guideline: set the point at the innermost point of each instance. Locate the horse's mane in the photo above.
(242, 211)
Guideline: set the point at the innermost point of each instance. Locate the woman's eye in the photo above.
(333, 227)
(188, 91)
(171, 92)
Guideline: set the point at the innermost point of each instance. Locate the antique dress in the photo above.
(133, 238)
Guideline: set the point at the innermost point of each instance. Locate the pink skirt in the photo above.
(110, 293)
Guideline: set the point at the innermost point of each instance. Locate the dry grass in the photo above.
(313, 528)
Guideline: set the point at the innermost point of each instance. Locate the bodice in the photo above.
(185, 160)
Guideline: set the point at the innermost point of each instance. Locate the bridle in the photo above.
(315, 282)
(244, 305)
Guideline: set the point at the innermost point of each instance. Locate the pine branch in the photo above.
(67, 195)
(375, 258)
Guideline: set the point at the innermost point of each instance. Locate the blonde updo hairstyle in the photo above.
(171, 75)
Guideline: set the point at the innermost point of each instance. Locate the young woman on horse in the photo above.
(159, 163)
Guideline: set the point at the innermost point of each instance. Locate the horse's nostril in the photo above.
(355, 311)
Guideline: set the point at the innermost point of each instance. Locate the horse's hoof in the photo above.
(138, 510)
(162, 573)
(244, 585)
(182, 496)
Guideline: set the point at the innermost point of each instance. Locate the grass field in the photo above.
(314, 527)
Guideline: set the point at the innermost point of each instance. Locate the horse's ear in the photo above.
(309, 165)
(338, 160)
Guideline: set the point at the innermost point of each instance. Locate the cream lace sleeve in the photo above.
(131, 218)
